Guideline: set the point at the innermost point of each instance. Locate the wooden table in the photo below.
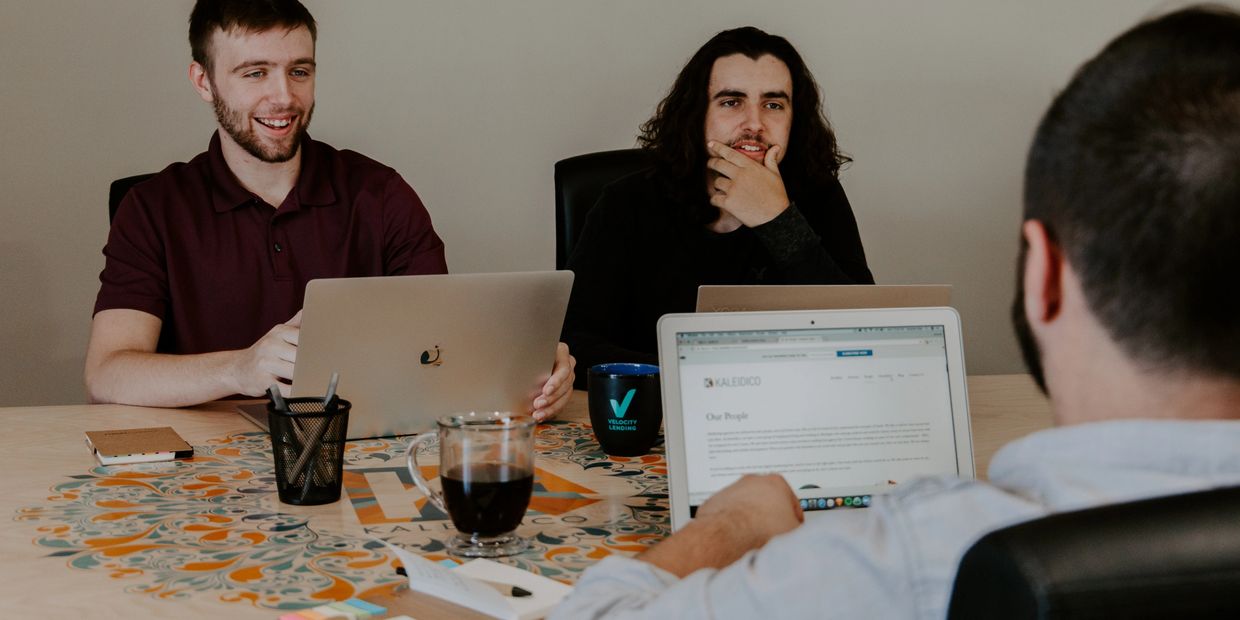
(208, 537)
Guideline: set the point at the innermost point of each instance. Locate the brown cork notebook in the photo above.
(137, 445)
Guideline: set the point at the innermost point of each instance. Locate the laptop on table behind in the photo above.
(755, 298)
(845, 404)
(410, 349)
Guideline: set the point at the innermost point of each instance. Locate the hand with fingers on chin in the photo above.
(269, 360)
(752, 192)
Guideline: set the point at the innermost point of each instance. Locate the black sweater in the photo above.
(639, 257)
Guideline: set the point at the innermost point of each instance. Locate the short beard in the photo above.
(236, 125)
(1020, 322)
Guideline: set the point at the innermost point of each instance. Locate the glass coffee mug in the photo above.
(486, 468)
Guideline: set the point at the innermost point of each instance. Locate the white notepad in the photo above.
(461, 586)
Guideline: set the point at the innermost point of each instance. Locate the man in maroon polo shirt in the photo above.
(207, 262)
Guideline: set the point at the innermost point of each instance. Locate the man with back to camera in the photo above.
(742, 190)
(207, 261)
(1132, 208)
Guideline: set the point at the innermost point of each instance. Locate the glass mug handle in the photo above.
(411, 461)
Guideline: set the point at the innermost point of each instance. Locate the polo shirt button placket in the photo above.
(279, 252)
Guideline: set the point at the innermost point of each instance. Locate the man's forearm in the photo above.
(707, 542)
(162, 380)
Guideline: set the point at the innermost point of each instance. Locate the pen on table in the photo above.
(507, 589)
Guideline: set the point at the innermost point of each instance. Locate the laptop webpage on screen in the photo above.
(844, 404)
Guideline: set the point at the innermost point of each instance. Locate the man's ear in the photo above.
(201, 81)
(1043, 277)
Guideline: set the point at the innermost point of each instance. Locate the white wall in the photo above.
(474, 101)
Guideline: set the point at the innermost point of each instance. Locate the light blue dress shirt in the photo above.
(898, 558)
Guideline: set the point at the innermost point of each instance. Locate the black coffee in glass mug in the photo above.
(487, 498)
(486, 469)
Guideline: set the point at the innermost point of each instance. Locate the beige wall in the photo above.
(473, 102)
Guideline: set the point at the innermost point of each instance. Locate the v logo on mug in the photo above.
(622, 408)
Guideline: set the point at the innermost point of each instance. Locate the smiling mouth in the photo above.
(275, 123)
(750, 148)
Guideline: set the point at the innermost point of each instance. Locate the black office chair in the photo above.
(1168, 557)
(119, 188)
(579, 181)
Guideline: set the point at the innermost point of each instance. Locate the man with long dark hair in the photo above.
(207, 262)
(1132, 210)
(742, 190)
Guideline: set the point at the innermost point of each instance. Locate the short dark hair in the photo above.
(675, 135)
(1135, 173)
(248, 15)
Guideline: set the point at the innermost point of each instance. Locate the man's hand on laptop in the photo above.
(269, 360)
(742, 517)
(559, 386)
(759, 506)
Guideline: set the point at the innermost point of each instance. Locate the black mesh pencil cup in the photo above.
(307, 441)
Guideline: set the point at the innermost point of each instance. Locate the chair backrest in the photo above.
(1168, 557)
(119, 188)
(579, 181)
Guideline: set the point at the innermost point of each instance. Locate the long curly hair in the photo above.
(675, 136)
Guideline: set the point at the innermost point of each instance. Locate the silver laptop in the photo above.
(751, 298)
(844, 404)
(412, 348)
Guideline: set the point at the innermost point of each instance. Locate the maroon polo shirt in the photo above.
(220, 267)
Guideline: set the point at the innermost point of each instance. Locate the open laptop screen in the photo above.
(841, 413)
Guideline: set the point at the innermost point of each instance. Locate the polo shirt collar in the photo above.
(226, 191)
(313, 181)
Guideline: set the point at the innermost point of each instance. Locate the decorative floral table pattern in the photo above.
(211, 526)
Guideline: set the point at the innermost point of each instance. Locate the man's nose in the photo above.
(752, 120)
(281, 91)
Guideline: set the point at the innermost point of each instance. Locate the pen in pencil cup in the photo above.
(331, 389)
(311, 448)
(274, 392)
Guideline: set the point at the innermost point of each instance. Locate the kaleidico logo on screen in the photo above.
(732, 382)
